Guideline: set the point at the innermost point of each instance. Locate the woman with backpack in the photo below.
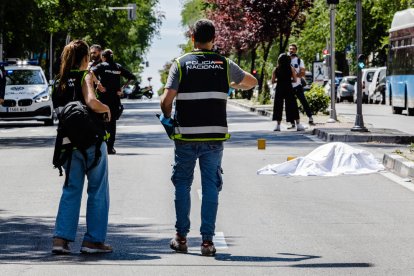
(284, 75)
(76, 84)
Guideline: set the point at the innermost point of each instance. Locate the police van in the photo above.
(27, 95)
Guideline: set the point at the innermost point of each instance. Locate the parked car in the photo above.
(345, 89)
(379, 92)
(27, 95)
(309, 80)
(367, 76)
(327, 85)
(378, 75)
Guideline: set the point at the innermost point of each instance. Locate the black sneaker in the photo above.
(111, 151)
(179, 244)
(208, 248)
(292, 126)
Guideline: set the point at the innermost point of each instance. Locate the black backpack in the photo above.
(80, 125)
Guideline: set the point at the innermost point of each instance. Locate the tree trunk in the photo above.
(253, 64)
(239, 55)
(266, 49)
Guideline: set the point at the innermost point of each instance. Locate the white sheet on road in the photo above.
(327, 160)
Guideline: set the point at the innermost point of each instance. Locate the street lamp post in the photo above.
(359, 120)
(332, 118)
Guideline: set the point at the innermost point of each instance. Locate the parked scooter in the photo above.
(138, 92)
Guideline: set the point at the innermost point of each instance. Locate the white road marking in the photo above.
(220, 241)
(405, 182)
(200, 195)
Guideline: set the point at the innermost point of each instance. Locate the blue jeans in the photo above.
(209, 155)
(98, 198)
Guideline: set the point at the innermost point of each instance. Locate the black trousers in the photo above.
(300, 94)
(285, 96)
(111, 129)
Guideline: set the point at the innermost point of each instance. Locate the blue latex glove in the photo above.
(167, 123)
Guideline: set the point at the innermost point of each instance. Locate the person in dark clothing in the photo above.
(109, 86)
(2, 83)
(285, 75)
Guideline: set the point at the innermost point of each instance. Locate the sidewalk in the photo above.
(340, 131)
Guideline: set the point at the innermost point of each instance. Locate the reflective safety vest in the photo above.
(200, 111)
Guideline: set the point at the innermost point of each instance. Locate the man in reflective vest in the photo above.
(199, 82)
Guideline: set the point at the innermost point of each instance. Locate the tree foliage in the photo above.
(377, 16)
(27, 25)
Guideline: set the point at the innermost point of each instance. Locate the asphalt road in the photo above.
(379, 116)
(267, 225)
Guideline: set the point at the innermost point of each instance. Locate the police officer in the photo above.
(109, 75)
(199, 81)
(2, 83)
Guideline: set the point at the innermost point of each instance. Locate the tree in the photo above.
(377, 17)
(275, 20)
(28, 25)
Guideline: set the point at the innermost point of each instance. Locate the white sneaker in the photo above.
(300, 127)
(277, 128)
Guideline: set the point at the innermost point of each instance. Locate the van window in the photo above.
(370, 75)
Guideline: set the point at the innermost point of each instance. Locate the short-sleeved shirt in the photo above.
(173, 82)
(295, 64)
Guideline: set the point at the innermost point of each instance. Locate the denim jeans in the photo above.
(209, 155)
(98, 198)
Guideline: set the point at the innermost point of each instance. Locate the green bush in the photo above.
(318, 101)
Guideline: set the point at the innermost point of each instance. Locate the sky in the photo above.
(165, 46)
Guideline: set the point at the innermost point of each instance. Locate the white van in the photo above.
(367, 76)
(379, 74)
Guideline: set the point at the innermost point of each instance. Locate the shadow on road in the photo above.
(288, 257)
(27, 239)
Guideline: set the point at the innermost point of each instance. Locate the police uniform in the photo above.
(109, 74)
(201, 79)
(202, 97)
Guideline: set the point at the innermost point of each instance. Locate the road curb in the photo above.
(399, 165)
(380, 135)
